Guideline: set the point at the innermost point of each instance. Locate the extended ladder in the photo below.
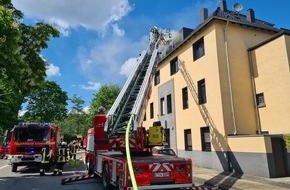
(133, 96)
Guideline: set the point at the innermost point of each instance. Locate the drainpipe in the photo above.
(229, 78)
(254, 92)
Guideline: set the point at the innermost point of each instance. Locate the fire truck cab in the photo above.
(26, 141)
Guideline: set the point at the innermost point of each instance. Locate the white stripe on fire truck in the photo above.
(165, 166)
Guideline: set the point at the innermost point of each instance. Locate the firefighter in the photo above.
(61, 158)
(45, 159)
(154, 35)
(73, 150)
(101, 110)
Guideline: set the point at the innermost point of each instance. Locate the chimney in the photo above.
(250, 15)
(223, 5)
(203, 14)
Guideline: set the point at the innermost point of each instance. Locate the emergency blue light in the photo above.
(21, 123)
(31, 152)
(46, 124)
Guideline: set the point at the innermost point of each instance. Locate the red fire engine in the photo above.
(107, 154)
(26, 141)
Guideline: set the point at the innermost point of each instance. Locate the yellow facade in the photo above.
(212, 67)
(271, 64)
(239, 62)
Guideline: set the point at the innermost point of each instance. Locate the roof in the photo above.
(235, 17)
(282, 32)
(226, 15)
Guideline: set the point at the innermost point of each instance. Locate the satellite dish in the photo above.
(238, 7)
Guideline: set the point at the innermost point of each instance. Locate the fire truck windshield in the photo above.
(30, 133)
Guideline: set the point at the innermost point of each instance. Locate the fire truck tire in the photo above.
(13, 167)
(90, 167)
(106, 177)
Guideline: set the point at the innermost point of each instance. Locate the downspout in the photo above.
(229, 78)
(254, 92)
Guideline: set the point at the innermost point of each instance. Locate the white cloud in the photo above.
(105, 59)
(95, 86)
(128, 66)
(52, 70)
(117, 31)
(65, 14)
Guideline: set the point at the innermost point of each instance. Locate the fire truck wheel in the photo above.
(106, 177)
(90, 167)
(13, 167)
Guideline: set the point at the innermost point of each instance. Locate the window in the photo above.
(162, 106)
(201, 92)
(198, 49)
(185, 98)
(205, 139)
(144, 119)
(260, 100)
(169, 104)
(151, 110)
(187, 139)
(173, 66)
(157, 78)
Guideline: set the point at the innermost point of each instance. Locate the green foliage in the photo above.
(74, 163)
(77, 121)
(75, 124)
(78, 104)
(10, 37)
(105, 97)
(47, 104)
(22, 69)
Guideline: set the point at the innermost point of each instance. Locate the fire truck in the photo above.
(26, 141)
(119, 149)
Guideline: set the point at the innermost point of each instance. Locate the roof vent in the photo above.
(203, 14)
(223, 5)
(250, 15)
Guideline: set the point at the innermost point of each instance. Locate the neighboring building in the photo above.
(221, 92)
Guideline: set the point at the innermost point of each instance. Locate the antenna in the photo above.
(238, 7)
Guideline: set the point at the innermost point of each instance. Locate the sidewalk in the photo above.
(227, 180)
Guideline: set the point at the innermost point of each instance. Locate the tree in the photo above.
(77, 109)
(68, 125)
(22, 69)
(105, 97)
(47, 104)
(10, 36)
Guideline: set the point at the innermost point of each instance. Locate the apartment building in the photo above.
(221, 92)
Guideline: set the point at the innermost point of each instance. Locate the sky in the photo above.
(101, 39)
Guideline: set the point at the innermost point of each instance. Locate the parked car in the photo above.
(165, 151)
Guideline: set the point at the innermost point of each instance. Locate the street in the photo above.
(29, 179)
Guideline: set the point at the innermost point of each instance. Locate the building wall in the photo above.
(225, 154)
(239, 39)
(272, 77)
(168, 120)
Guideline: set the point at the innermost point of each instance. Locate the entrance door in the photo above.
(278, 149)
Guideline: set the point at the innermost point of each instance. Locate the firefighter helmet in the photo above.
(101, 110)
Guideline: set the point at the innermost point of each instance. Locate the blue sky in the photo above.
(100, 39)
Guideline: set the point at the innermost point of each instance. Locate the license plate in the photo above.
(27, 156)
(161, 174)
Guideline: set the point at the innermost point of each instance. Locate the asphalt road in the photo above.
(29, 179)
